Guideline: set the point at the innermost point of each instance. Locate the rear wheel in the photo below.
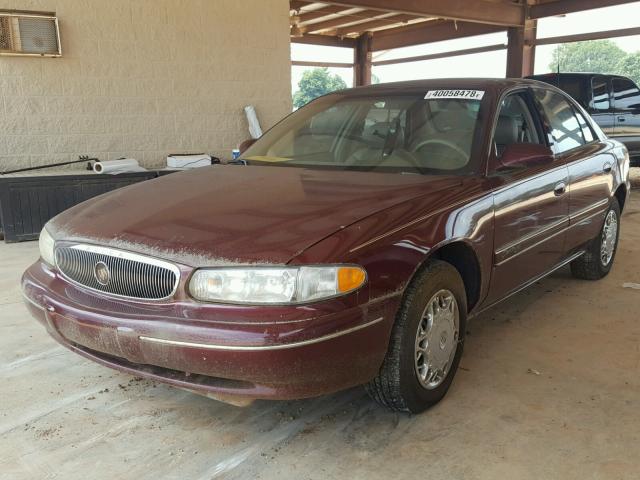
(601, 251)
(426, 342)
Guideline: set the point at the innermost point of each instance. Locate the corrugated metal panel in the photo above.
(27, 203)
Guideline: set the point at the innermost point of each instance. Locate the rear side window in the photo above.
(564, 129)
(600, 99)
(587, 132)
(626, 94)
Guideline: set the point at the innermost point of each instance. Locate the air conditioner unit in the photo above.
(29, 34)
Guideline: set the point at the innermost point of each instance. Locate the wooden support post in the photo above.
(362, 61)
(515, 52)
(521, 50)
(529, 53)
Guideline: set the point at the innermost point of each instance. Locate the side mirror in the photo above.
(526, 155)
(246, 144)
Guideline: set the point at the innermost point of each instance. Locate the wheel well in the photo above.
(621, 195)
(464, 259)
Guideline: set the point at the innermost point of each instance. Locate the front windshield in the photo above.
(404, 133)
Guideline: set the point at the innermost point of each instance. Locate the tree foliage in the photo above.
(315, 83)
(597, 56)
(629, 66)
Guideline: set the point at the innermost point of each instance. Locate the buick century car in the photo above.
(347, 246)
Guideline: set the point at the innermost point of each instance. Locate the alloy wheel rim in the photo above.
(437, 339)
(609, 237)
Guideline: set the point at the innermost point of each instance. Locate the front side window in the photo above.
(402, 133)
(564, 129)
(626, 95)
(600, 101)
(515, 124)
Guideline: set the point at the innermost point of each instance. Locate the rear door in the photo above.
(590, 168)
(531, 206)
(626, 100)
(600, 105)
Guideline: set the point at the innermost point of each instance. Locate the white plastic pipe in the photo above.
(254, 125)
(124, 165)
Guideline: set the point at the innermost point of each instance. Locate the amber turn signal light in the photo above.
(350, 278)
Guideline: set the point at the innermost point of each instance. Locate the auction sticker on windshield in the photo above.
(455, 94)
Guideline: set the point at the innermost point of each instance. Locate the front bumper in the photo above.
(228, 352)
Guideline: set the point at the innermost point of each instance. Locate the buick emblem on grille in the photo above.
(117, 272)
(101, 273)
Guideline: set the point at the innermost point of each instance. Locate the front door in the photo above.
(531, 206)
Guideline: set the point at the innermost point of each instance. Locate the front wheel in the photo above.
(601, 251)
(426, 342)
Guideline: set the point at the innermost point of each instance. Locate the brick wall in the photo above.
(144, 78)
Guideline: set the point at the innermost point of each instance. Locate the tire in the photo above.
(591, 265)
(397, 385)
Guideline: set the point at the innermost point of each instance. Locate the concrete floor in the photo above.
(549, 387)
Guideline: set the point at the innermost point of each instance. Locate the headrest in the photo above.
(453, 115)
(506, 131)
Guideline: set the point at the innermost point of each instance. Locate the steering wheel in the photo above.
(437, 141)
(398, 158)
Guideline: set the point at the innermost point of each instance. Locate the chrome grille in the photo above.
(130, 275)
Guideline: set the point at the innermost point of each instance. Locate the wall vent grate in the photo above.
(29, 34)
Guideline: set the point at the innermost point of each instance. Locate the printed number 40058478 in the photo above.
(455, 94)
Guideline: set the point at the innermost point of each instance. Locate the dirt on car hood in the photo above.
(231, 214)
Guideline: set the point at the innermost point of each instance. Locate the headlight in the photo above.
(46, 243)
(274, 285)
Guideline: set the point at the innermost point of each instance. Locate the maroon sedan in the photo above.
(348, 246)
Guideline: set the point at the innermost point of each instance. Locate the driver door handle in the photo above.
(560, 189)
(606, 168)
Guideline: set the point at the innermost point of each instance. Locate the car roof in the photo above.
(575, 74)
(565, 74)
(495, 85)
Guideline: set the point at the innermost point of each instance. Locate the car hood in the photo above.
(232, 214)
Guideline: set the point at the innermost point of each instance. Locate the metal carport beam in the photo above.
(436, 56)
(360, 28)
(428, 32)
(562, 7)
(480, 11)
(326, 40)
(583, 37)
(346, 19)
